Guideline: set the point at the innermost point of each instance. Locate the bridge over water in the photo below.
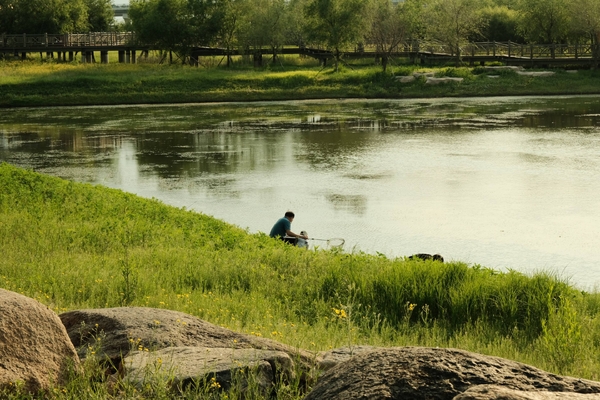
(424, 52)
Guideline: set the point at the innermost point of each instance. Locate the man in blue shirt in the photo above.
(283, 229)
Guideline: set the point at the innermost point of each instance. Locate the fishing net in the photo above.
(335, 242)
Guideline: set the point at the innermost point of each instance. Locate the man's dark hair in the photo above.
(289, 214)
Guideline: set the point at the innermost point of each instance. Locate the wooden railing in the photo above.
(511, 49)
(92, 39)
(25, 42)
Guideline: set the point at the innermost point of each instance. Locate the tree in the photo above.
(233, 12)
(452, 22)
(263, 25)
(585, 22)
(294, 22)
(544, 21)
(42, 16)
(204, 18)
(336, 24)
(389, 28)
(100, 15)
(175, 25)
(502, 25)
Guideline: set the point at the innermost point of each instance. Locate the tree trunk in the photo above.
(384, 62)
(458, 55)
(595, 43)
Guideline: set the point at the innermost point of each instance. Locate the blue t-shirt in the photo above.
(281, 227)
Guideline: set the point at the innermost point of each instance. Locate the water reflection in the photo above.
(503, 182)
(356, 204)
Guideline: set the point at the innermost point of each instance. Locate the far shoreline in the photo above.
(33, 84)
(294, 100)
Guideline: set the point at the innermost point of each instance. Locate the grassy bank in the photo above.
(73, 246)
(37, 83)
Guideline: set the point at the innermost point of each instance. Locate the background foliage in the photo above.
(336, 25)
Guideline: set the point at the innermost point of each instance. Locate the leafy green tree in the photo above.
(42, 16)
(294, 22)
(176, 25)
(158, 22)
(585, 22)
(502, 25)
(232, 23)
(453, 22)
(205, 18)
(100, 15)
(264, 24)
(544, 21)
(336, 24)
(389, 28)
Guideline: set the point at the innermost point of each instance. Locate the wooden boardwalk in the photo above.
(424, 52)
(71, 43)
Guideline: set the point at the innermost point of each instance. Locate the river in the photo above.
(505, 183)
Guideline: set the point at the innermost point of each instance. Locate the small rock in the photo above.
(437, 81)
(424, 74)
(508, 67)
(406, 79)
(536, 73)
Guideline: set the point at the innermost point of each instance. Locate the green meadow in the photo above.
(74, 246)
(45, 82)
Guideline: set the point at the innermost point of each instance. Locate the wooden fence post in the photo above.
(531, 51)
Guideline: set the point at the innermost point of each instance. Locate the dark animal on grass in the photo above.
(423, 256)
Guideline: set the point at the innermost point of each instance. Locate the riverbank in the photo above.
(35, 84)
(73, 246)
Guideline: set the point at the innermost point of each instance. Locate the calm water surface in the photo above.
(508, 183)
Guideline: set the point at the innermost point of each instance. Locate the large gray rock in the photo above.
(421, 373)
(184, 366)
(125, 329)
(34, 346)
(329, 359)
(493, 392)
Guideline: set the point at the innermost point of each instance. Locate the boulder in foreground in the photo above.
(34, 346)
(493, 392)
(422, 373)
(216, 367)
(127, 329)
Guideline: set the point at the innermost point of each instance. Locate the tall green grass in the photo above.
(73, 246)
(35, 83)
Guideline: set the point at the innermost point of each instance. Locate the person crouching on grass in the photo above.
(283, 229)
